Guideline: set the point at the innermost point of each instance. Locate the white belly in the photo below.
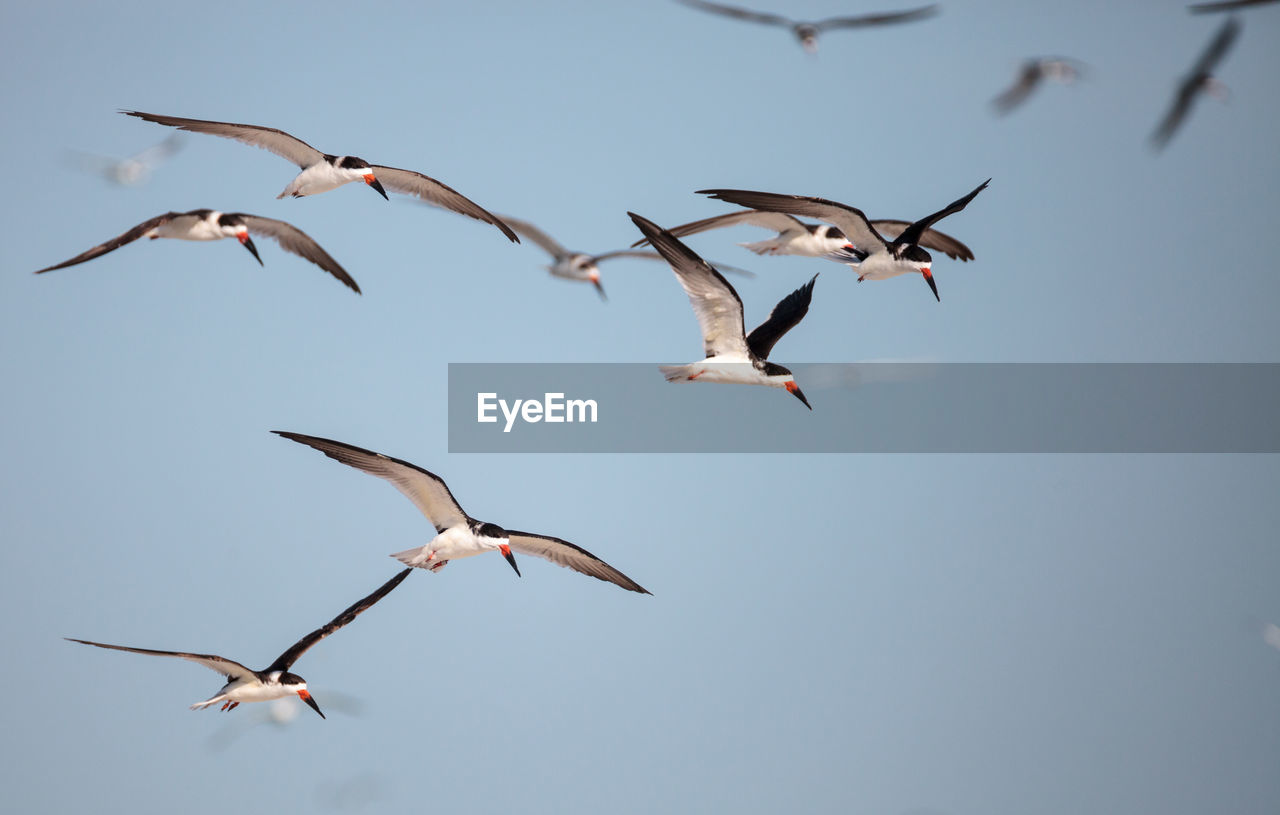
(726, 369)
(457, 542)
(319, 177)
(199, 231)
(257, 692)
(882, 266)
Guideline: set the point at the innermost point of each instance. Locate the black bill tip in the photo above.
(311, 702)
(928, 278)
(253, 250)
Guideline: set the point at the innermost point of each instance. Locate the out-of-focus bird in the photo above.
(807, 32)
(571, 265)
(1200, 80)
(1226, 5)
(134, 170)
(279, 714)
(1032, 73)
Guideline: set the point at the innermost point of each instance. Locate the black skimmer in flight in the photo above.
(795, 237)
(459, 535)
(211, 225)
(1033, 71)
(322, 172)
(134, 170)
(1199, 80)
(1227, 5)
(808, 32)
(872, 255)
(733, 356)
(579, 265)
(274, 681)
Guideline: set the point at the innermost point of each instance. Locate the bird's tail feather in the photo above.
(675, 373)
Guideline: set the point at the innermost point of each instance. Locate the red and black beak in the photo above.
(594, 277)
(306, 697)
(372, 181)
(506, 553)
(794, 390)
(928, 278)
(247, 243)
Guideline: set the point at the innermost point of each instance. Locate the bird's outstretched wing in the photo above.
(739, 13)
(119, 240)
(426, 490)
(279, 142)
(784, 317)
(295, 241)
(911, 235)
(227, 667)
(715, 303)
(886, 18)
(300, 647)
(572, 556)
(428, 189)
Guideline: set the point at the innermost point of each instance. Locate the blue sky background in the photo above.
(940, 635)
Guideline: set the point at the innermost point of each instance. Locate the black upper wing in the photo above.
(784, 317)
(299, 648)
(911, 235)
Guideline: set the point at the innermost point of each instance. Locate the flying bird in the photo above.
(274, 681)
(1199, 80)
(1033, 71)
(807, 32)
(134, 170)
(572, 265)
(872, 255)
(211, 225)
(322, 172)
(810, 240)
(733, 356)
(458, 535)
(1227, 5)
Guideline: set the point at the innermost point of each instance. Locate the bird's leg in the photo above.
(435, 567)
(226, 704)
(234, 705)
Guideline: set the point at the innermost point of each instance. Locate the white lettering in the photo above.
(510, 414)
(552, 408)
(555, 401)
(484, 402)
(582, 405)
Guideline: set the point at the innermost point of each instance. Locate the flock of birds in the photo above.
(874, 249)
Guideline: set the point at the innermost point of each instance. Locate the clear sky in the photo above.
(940, 635)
